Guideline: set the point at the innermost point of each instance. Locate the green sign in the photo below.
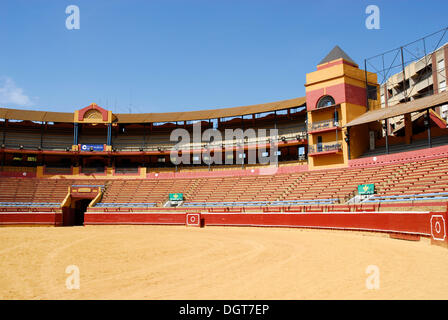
(366, 189)
(176, 196)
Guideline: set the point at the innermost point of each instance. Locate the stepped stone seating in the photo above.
(33, 191)
(421, 177)
(33, 139)
(424, 176)
(415, 145)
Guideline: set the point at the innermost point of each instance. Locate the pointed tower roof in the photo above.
(337, 53)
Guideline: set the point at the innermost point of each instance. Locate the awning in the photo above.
(209, 114)
(400, 109)
(31, 115)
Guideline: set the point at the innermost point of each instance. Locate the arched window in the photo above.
(93, 114)
(325, 101)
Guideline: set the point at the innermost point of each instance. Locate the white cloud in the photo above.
(10, 94)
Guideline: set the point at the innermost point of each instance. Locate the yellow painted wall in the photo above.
(359, 140)
(359, 135)
(39, 171)
(329, 76)
(327, 161)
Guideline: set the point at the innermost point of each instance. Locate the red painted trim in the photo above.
(403, 225)
(341, 93)
(335, 63)
(407, 223)
(134, 218)
(355, 95)
(439, 122)
(37, 218)
(416, 223)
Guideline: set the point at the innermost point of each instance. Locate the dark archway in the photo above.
(80, 208)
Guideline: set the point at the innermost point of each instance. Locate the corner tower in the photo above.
(336, 94)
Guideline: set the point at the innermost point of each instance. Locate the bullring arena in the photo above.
(98, 205)
(157, 262)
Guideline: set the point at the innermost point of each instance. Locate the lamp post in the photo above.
(347, 140)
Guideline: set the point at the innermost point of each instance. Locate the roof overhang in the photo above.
(400, 109)
(31, 115)
(210, 114)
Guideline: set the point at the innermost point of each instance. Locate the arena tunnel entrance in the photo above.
(80, 208)
(74, 215)
(75, 204)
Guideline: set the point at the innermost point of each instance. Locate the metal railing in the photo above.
(407, 197)
(87, 170)
(129, 170)
(323, 147)
(284, 135)
(325, 124)
(286, 203)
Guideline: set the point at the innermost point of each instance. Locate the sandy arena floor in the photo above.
(157, 262)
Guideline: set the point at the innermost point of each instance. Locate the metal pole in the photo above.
(347, 139)
(367, 85)
(144, 135)
(4, 131)
(75, 134)
(275, 119)
(108, 134)
(429, 128)
(404, 82)
(306, 136)
(3, 151)
(42, 135)
(387, 135)
(336, 120)
(348, 142)
(426, 58)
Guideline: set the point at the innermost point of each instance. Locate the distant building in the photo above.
(422, 78)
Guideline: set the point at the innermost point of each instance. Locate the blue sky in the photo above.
(173, 55)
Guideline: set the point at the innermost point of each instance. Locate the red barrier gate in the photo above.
(193, 219)
(438, 230)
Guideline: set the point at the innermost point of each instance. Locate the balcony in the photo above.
(324, 148)
(323, 126)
